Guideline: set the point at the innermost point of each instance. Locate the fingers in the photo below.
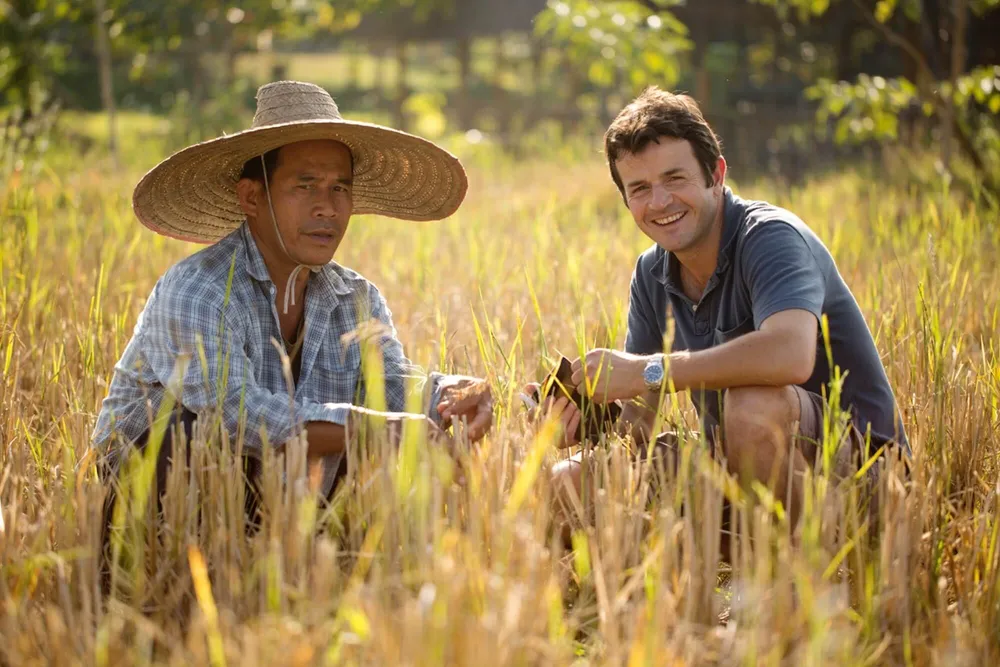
(555, 406)
(481, 423)
(474, 405)
(468, 400)
(568, 415)
(571, 429)
(587, 368)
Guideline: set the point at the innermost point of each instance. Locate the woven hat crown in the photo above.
(293, 102)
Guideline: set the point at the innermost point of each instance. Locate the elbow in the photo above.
(801, 364)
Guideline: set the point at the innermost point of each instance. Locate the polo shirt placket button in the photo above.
(701, 324)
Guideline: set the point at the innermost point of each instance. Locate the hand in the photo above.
(613, 375)
(560, 408)
(469, 399)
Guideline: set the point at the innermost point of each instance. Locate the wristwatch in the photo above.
(653, 373)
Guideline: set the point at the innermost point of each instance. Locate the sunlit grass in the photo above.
(426, 560)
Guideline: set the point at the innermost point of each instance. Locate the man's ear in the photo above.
(248, 191)
(719, 175)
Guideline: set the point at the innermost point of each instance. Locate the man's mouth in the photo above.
(668, 219)
(323, 237)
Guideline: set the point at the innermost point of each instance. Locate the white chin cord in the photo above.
(290, 283)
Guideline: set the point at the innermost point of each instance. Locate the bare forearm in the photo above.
(325, 439)
(782, 352)
(756, 359)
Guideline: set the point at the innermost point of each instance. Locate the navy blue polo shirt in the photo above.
(769, 261)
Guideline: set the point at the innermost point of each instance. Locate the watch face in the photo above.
(653, 374)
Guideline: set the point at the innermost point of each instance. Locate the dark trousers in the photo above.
(182, 423)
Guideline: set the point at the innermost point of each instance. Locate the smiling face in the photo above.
(666, 192)
(310, 190)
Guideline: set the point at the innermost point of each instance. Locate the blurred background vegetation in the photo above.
(791, 86)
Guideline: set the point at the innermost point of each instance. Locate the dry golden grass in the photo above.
(426, 561)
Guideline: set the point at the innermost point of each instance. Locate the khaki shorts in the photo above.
(851, 454)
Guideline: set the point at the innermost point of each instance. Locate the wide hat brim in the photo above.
(191, 195)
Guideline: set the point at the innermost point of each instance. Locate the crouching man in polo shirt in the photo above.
(746, 284)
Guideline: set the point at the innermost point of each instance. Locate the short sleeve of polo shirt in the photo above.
(780, 272)
(643, 335)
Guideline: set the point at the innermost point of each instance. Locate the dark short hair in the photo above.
(254, 169)
(657, 113)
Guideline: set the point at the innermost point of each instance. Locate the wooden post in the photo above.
(379, 83)
(354, 65)
(959, 24)
(107, 85)
(464, 55)
(536, 112)
(401, 63)
(702, 78)
(498, 95)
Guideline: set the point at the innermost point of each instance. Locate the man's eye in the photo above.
(640, 188)
(306, 186)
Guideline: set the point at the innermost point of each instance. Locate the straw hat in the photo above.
(192, 194)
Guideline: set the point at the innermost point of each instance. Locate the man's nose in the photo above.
(661, 197)
(323, 205)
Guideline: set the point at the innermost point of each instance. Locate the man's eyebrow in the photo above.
(308, 177)
(666, 174)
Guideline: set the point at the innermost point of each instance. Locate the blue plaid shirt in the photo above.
(225, 345)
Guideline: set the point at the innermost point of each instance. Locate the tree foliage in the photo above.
(964, 102)
(628, 40)
(40, 39)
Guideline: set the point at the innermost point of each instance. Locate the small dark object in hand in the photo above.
(595, 418)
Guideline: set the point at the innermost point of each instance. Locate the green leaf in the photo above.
(884, 10)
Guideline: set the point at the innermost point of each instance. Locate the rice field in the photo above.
(426, 559)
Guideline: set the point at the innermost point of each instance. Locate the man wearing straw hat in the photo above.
(275, 201)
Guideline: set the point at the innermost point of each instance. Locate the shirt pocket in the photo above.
(337, 372)
(745, 326)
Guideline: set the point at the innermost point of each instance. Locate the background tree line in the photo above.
(866, 71)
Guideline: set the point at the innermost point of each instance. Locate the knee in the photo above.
(752, 416)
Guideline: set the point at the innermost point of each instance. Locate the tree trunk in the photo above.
(464, 54)
(107, 85)
(354, 66)
(959, 25)
(401, 63)
(534, 114)
(230, 53)
(702, 77)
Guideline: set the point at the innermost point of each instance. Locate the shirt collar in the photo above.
(330, 278)
(665, 270)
